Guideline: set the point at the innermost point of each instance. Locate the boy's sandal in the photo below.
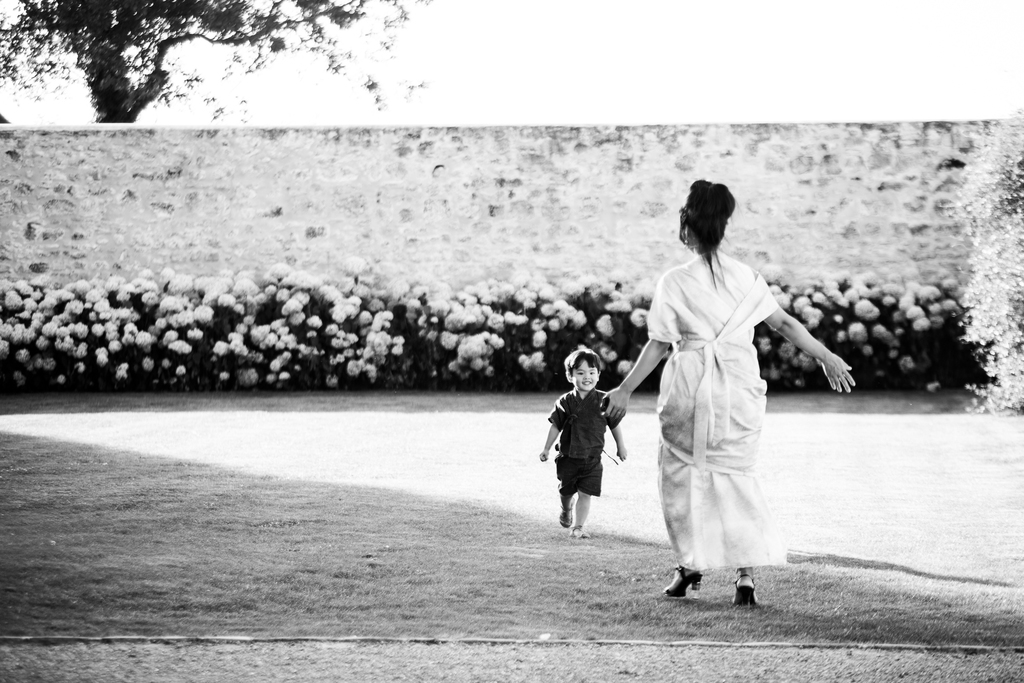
(579, 532)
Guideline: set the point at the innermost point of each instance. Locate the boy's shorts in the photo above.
(577, 474)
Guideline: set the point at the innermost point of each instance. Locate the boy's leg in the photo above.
(582, 508)
(565, 519)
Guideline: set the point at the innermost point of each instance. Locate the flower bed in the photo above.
(289, 330)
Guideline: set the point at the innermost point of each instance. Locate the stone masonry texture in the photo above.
(459, 205)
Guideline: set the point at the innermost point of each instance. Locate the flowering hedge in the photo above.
(290, 330)
(992, 206)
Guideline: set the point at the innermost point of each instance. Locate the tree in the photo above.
(992, 202)
(121, 47)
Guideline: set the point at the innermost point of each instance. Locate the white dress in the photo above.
(711, 407)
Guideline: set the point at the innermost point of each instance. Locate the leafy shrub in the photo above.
(992, 202)
(289, 330)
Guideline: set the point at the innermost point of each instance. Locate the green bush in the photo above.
(289, 330)
(992, 203)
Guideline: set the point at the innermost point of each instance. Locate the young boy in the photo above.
(579, 416)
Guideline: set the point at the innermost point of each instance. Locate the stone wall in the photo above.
(464, 204)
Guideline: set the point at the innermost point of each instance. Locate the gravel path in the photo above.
(269, 662)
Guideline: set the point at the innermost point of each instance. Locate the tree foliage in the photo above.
(992, 202)
(121, 47)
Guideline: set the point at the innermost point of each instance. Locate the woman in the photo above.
(712, 400)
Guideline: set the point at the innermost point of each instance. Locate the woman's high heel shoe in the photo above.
(745, 594)
(682, 580)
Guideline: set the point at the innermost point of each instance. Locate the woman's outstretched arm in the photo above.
(618, 399)
(836, 369)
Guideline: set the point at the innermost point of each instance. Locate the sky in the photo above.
(599, 62)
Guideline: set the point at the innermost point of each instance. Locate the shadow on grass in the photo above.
(798, 557)
(98, 541)
(859, 402)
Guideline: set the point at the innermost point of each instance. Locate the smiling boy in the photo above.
(579, 417)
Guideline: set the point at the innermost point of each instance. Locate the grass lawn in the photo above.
(429, 515)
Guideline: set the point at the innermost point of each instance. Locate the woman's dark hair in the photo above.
(708, 208)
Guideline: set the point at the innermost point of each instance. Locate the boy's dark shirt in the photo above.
(582, 424)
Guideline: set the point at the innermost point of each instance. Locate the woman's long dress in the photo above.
(711, 407)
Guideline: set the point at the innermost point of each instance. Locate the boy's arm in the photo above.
(620, 442)
(552, 435)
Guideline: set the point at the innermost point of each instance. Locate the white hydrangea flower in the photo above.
(180, 284)
(226, 301)
(247, 377)
(171, 304)
(180, 347)
(539, 339)
(922, 324)
(180, 371)
(144, 340)
(121, 372)
(915, 313)
(300, 279)
(928, 293)
(203, 314)
(194, 334)
(866, 310)
(12, 301)
(449, 340)
(604, 326)
(618, 303)
(244, 287)
(147, 364)
(858, 333)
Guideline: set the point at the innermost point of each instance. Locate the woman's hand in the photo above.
(616, 403)
(837, 372)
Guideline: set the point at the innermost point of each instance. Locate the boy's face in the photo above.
(584, 377)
